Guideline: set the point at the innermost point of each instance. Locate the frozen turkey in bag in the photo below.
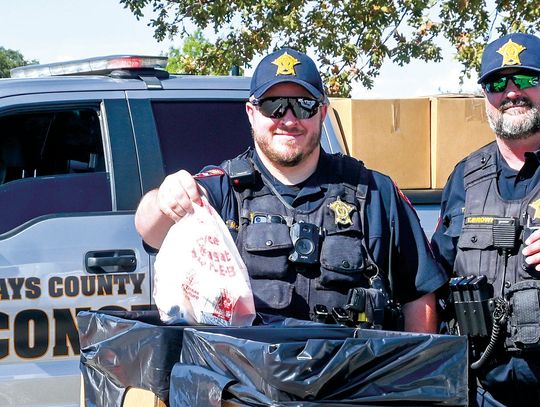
(200, 277)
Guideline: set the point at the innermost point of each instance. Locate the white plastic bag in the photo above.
(200, 277)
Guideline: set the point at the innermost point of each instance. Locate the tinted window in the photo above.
(193, 134)
(51, 162)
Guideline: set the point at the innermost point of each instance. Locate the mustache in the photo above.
(519, 102)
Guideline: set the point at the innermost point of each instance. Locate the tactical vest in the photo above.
(291, 289)
(478, 252)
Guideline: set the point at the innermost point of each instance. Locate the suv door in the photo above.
(69, 183)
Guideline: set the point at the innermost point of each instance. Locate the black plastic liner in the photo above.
(286, 363)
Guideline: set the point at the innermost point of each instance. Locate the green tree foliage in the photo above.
(350, 38)
(10, 59)
(188, 60)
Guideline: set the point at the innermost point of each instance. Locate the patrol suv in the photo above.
(80, 143)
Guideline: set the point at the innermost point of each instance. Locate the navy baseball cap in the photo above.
(287, 65)
(515, 50)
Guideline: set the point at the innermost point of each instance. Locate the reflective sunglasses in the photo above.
(276, 107)
(522, 81)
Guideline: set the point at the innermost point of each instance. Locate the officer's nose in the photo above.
(289, 117)
(512, 91)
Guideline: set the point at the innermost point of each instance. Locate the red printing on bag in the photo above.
(224, 306)
(189, 290)
(219, 261)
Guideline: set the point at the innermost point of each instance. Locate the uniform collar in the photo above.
(314, 184)
(531, 164)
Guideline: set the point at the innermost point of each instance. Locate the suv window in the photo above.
(192, 134)
(51, 162)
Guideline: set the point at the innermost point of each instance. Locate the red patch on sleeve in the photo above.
(210, 173)
(403, 196)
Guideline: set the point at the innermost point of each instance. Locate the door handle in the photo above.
(110, 261)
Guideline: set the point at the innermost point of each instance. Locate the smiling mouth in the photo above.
(288, 134)
(515, 109)
(515, 104)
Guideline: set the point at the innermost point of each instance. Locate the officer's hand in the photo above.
(176, 195)
(532, 250)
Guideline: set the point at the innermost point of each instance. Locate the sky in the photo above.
(61, 30)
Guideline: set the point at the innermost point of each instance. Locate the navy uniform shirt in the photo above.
(415, 271)
(512, 184)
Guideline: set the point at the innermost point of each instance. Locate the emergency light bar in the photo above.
(91, 66)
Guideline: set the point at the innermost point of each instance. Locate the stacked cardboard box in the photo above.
(459, 126)
(416, 141)
(389, 135)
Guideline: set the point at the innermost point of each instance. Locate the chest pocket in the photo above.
(475, 252)
(342, 255)
(476, 238)
(266, 249)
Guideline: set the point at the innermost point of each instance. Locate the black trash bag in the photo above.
(122, 349)
(125, 349)
(370, 368)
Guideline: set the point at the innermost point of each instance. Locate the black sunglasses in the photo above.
(522, 81)
(276, 107)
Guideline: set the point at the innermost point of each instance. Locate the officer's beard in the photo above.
(294, 155)
(510, 127)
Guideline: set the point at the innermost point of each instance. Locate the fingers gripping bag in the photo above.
(200, 277)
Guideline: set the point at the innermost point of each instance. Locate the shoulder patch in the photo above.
(403, 196)
(210, 173)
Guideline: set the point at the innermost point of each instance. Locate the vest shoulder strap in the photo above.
(352, 172)
(481, 165)
(226, 165)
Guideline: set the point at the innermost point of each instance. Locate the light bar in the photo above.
(90, 66)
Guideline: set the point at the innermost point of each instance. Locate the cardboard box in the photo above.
(141, 398)
(390, 135)
(458, 127)
(134, 398)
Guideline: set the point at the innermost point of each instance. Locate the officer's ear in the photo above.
(323, 109)
(250, 109)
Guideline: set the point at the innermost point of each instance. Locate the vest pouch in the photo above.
(524, 321)
(271, 294)
(266, 249)
(475, 250)
(375, 306)
(479, 238)
(342, 262)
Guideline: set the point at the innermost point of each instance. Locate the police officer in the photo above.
(310, 226)
(491, 212)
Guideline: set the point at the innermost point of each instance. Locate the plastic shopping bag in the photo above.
(200, 277)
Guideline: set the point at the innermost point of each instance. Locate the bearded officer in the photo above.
(310, 226)
(490, 217)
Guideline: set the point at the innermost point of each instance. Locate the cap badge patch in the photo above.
(342, 211)
(510, 52)
(536, 206)
(285, 64)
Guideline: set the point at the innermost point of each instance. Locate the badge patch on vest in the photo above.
(479, 220)
(210, 173)
(536, 206)
(342, 211)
